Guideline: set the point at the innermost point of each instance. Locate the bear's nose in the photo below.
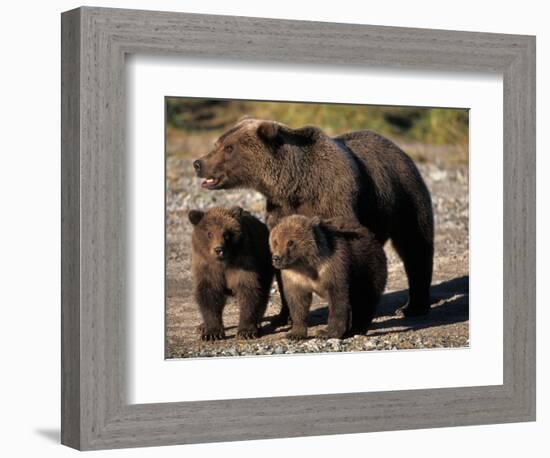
(197, 165)
(218, 250)
(276, 258)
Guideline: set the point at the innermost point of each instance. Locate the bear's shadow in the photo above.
(450, 304)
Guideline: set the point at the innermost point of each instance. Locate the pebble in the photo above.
(369, 345)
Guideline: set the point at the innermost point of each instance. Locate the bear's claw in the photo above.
(293, 335)
(212, 336)
(248, 334)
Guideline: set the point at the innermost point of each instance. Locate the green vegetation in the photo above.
(189, 121)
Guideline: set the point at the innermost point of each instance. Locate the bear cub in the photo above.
(230, 257)
(340, 261)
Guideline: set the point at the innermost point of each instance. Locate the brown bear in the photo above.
(360, 176)
(340, 262)
(230, 257)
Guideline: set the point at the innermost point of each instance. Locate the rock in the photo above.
(369, 345)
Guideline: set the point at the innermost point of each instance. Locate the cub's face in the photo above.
(291, 241)
(238, 157)
(217, 232)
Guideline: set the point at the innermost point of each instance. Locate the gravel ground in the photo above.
(446, 326)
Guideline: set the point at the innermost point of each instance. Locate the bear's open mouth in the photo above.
(210, 182)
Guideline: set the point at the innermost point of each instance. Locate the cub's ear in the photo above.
(319, 232)
(236, 212)
(195, 216)
(268, 131)
(315, 221)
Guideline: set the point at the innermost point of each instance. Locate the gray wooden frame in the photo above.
(95, 413)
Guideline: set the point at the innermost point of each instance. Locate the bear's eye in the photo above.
(228, 148)
(210, 235)
(226, 235)
(290, 243)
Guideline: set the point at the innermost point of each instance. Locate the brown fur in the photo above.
(339, 261)
(230, 257)
(360, 176)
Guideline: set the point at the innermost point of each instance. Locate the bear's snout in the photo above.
(219, 251)
(276, 261)
(210, 168)
(197, 165)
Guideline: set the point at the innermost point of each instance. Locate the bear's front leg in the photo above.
(252, 305)
(211, 301)
(282, 318)
(339, 313)
(299, 302)
(274, 213)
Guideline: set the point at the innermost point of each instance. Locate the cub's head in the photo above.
(248, 154)
(217, 232)
(294, 240)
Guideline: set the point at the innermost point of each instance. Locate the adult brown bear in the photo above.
(358, 175)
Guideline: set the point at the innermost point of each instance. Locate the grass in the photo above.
(193, 124)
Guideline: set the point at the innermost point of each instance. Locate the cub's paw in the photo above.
(209, 335)
(329, 334)
(248, 333)
(296, 334)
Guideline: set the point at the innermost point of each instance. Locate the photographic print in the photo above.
(295, 228)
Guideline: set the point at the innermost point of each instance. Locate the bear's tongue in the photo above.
(209, 182)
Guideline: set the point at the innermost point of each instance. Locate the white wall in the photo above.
(29, 229)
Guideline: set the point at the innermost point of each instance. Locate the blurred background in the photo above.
(192, 125)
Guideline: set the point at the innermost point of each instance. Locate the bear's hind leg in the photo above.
(339, 313)
(415, 247)
(364, 301)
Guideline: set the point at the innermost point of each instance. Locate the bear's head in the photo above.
(251, 155)
(217, 232)
(294, 240)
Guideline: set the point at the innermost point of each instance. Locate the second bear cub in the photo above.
(341, 262)
(230, 257)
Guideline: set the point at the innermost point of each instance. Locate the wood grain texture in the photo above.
(95, 413)
(70, 229)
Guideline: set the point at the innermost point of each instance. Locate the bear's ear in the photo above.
(308, 134)
(268, 131)
(236, 212)
(195, 216)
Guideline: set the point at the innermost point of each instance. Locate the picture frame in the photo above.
(95, 410)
